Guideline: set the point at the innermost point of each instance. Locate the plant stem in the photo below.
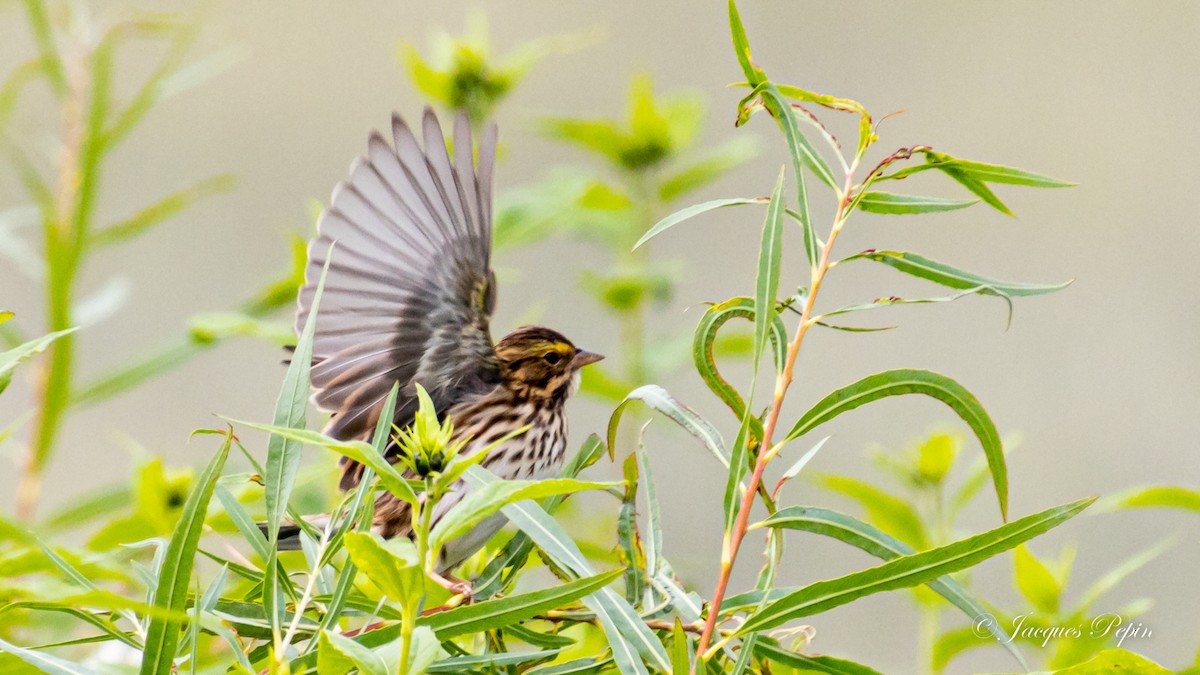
(783, 381)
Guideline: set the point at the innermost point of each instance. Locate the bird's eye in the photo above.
(552, 357)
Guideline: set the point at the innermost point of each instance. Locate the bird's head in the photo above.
(541, 363)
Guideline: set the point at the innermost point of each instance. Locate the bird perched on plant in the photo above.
(408, 299)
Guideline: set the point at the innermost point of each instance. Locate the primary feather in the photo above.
(410, 289)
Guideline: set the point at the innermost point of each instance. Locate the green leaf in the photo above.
(477, 505)
(888, 203)
(628, 636)
(770, 257)
(705, 340)
(908, 571)
(11, 358)
(358, 451)
(741, 46)
(162, 636)
(812, 664)
(513, 609)
(489, 662)
(939, 273)
(1153, 496)
(928, 383)
(995, 173)
(662, 401)
(1035, 581)
(681, 649)
(392, 565)
(693, 211)
(977, 188)
(46, 663)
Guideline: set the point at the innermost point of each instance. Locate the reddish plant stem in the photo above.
(783, 381)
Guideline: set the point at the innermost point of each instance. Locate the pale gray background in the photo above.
(1100, 379)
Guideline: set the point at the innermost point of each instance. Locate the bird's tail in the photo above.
(289, 533)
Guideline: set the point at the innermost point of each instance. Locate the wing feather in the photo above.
(410, 289)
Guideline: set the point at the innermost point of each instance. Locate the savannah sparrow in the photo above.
(408, 298)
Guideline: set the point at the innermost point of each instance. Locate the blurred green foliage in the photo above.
(930, 489)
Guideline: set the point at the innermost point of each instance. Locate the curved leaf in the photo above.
(931, 270)
(928, 383)
(693, 211)
(662, 401)
(705, 338)
(12, 357)
(909, 570)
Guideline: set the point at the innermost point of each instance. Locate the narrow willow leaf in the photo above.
(654, 536)
(770, 257)
(741, 46)
(939, 273)
(162, 636)
(358, 451)
(892, 301)
(628, 636)
(812, 664)
(691, 212)
(586, 666)
(928, 383)
(888, 203)
(977, 188)
(513, 609)
(662, 401)
(47, 663)
(11, 358)
(629, 541)
(910, 570)
(283, 454)
(103, 623)
(705, 340)
(868, 538)
(996, 173)
(481, 503)
(1153, 496)
(795, 469)
(681, 649)
(489, 662)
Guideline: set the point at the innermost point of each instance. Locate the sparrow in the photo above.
(408, 299)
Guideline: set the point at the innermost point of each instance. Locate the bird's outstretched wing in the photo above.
(410, 289)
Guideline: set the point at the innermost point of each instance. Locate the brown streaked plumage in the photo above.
(409, 298)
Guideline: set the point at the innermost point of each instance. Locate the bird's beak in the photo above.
(583, 357)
